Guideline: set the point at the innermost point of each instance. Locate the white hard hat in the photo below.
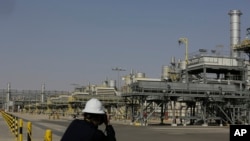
(94, 106)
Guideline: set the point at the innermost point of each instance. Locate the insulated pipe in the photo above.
(234, 31)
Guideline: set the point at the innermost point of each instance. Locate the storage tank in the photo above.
(165, 72)
(112, 83)
(182, 65)
(140, 75)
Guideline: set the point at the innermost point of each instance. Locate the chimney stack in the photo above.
(234, 31)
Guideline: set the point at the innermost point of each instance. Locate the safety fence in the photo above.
(15, 125)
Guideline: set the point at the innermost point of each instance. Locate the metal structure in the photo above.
(207, 87)
(21, 98)
(244, 45)
(184, 41)
(118, 69)
(234, 30)
(58, 102)
(212, 88)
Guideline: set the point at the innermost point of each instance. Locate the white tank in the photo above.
(182, 65)
(140, 75)
(112, 83)
(127, 79)
(165, 71)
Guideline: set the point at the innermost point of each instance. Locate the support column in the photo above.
(233, 118)
(204, 114)
(132, 111)
(205, 76)
(162, 114)
(192, 112)
(238, 113)
(174, 117)
(141, 111)
(126, 110)
(248, 117)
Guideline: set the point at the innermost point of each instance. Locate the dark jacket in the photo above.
(81, 130)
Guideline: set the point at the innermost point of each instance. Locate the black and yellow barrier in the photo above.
(12, 123)
(17, 127)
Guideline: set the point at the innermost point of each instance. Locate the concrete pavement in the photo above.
(124, 131)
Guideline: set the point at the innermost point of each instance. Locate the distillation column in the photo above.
(234, 31)
(43, 93)
(8, 98)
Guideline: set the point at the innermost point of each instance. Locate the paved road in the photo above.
(126, 132)
(153, 133)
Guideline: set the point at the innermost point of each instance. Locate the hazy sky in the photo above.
(61, 42)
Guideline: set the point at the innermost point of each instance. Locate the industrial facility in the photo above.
(208, 87)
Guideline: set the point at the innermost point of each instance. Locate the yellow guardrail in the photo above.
(11, 122)
(17, 129)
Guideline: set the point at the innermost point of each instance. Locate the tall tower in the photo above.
(234, 31)
(43, 93)
(8, 97)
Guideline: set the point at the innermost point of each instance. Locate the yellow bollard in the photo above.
(48, 135)
(20, 130)
(29, 131)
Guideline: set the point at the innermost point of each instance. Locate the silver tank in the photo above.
(182, 65)
(140, 75)
(165, 72)
(234, 30)
(112, 83)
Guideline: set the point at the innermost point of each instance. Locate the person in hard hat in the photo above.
(87, 129)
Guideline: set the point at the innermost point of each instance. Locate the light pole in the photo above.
(184, 41)
(118, 69)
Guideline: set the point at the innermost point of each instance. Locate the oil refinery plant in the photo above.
(207, 87)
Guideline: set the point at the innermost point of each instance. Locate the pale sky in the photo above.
(61, 42)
